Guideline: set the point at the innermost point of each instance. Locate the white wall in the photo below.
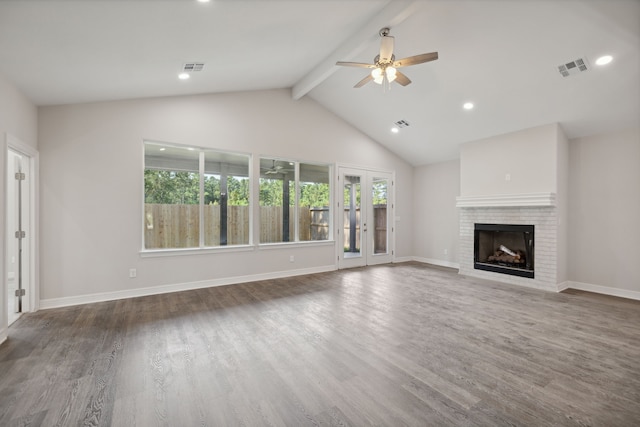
(604, 200)
(91, 194)
(436, 219)
(18, 117)
(529, 156)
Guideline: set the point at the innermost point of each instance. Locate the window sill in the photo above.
(152, 253)
(281, 245)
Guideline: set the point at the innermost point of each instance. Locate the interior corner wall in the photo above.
(436, 217)
(91, 168)
(562, 204)
(604, 210)
(18, 117)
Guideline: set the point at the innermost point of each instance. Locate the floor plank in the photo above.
(401, 344)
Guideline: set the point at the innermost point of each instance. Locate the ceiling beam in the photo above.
(393, 14)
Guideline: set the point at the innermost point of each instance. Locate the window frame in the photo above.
(201, 248)
(296, 203)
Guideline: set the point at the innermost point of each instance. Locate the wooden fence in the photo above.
(379, 229)
(176, 226)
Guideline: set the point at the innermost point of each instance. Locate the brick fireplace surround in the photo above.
(538, 210)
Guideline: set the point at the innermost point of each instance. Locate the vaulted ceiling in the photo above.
(502, 56)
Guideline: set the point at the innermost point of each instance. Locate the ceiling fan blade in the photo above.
(355, 64)
(386, 49)
(364, 81)
(402, 79)
(417, 59)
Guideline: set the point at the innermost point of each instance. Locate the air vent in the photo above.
(402, 123)
(573, 67)
(191, 67)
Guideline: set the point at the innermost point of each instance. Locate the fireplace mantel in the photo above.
(507, 200)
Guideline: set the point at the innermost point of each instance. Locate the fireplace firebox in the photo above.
(504, 248)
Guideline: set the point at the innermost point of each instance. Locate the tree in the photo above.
(271, 192)
(314, 194)
(171, 187)
(211, 190)
(379, 192)
(238, 189)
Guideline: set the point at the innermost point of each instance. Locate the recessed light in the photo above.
(183, 76)
(204, 1)
(190, 149)
(468, 105)
(395, 130)
(162, 149)
(604, 60)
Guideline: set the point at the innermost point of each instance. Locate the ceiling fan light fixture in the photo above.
(391, 74)
(377, 75)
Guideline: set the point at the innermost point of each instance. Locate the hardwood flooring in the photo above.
(392, 345)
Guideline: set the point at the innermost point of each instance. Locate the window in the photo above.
(313, 202)
(195, 198)
(294, 201)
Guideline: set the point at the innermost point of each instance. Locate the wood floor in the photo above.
(392, 345)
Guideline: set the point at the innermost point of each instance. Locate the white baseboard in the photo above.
(402, 259)
(606, 290)
(164, 289)
(438, 262)
(3, 335)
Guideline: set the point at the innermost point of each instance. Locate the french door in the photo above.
(364, 217)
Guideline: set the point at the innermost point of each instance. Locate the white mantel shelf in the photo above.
(507, 200)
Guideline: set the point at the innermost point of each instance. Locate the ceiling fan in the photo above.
(385, 67)
(276, 169)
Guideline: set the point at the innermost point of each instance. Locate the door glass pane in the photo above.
(313, 202)
(352, 216)
(172, 197)
(379, 189)
(226, 199)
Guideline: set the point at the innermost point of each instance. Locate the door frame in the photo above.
(32, 289)
(367, 257)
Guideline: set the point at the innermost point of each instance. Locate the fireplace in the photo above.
(504, 248)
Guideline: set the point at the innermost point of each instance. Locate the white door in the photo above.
(19, 234)
(364, 217)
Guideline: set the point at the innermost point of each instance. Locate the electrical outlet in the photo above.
(292, 258)
(507, 177)
(132, 273)
(446, 251)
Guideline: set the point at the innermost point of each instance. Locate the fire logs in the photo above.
(506, 255)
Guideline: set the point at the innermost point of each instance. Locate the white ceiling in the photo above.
(502, 55)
